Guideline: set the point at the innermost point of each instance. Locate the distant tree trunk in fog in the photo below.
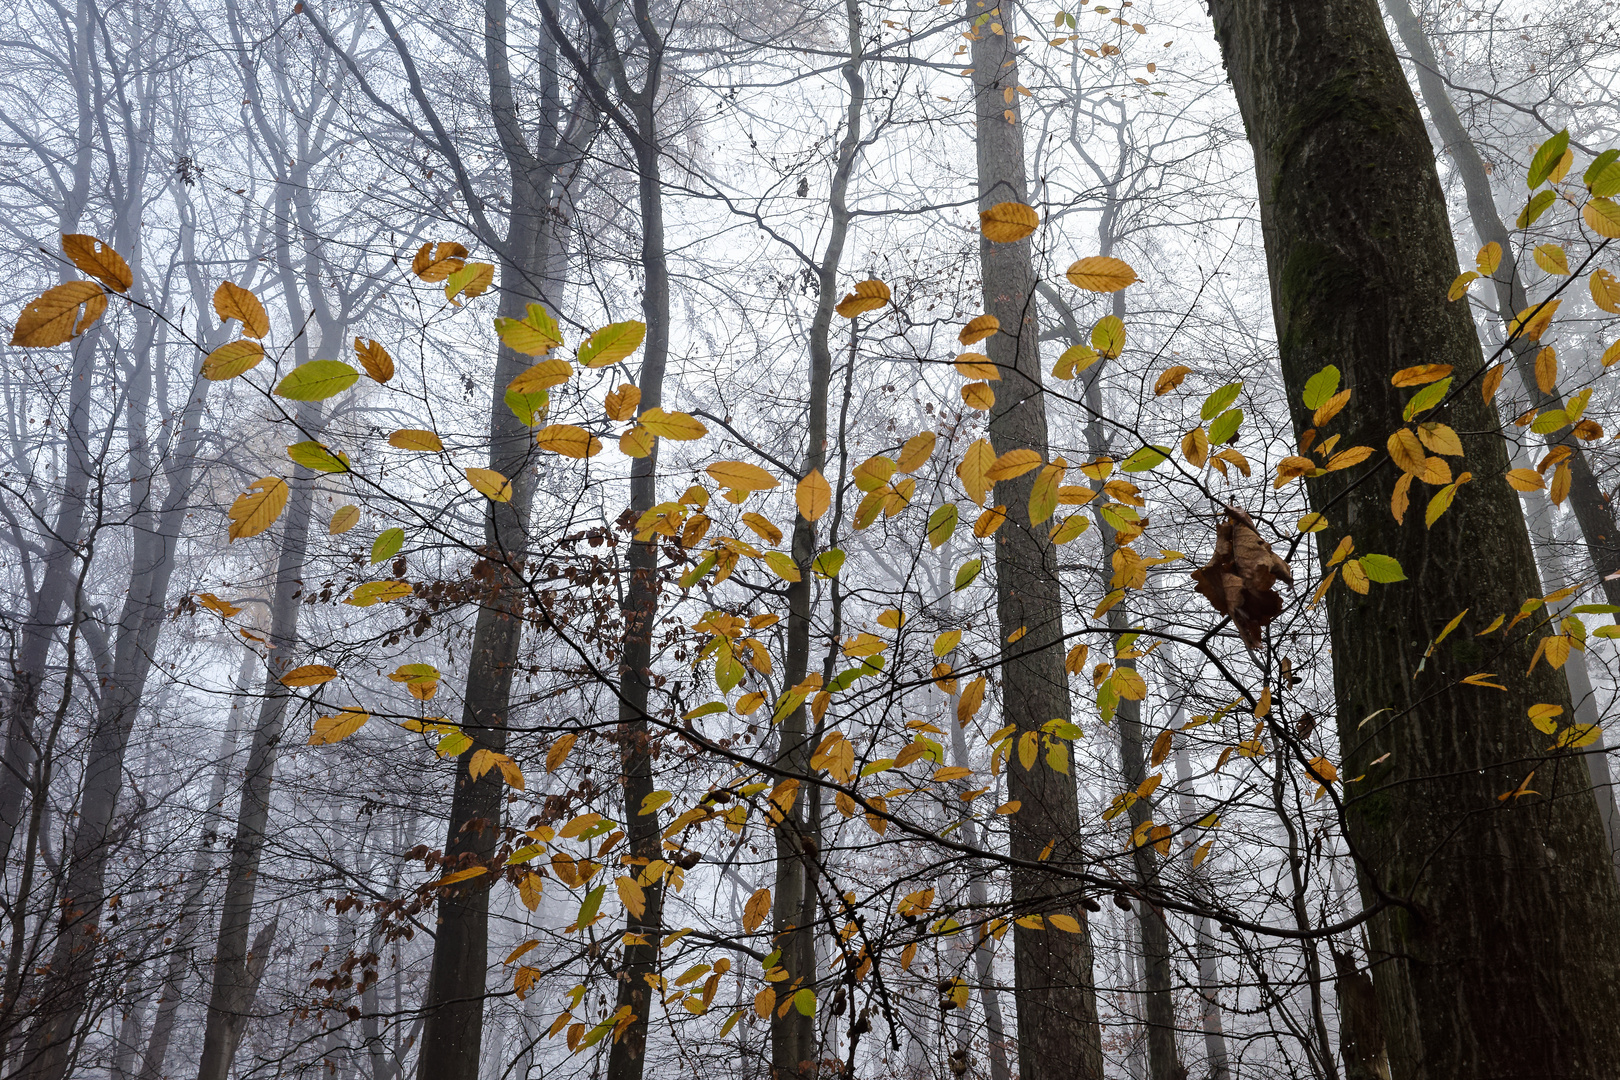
(1058, 1034)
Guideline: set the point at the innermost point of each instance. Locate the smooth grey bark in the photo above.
(1495, 922)
(1207, 954)
(1593, 507)
(194, 886)
(793, 915)
(1058, 1033)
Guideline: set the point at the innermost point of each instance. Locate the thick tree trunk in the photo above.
(1058, 1035)
(1594, 510)
(1506, 927)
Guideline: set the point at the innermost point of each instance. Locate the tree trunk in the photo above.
(793, 1036)
(1506, 923)
(195, 886)
(1209, 983)
(1594, 510)
(454, 1005)
(1058, 1035)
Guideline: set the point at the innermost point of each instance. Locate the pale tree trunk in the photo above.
(1058, 1035)
(1209, 981)
(1506, 922)
(194, 887)
(1594, 509)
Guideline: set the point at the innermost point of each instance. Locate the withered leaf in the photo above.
(1239, 580)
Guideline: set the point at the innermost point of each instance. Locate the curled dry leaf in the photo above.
(436, 262)
(1239, 580)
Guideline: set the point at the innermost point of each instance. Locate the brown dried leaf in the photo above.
(1239, 579)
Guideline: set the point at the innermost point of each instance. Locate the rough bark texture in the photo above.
(1505, 944)
(1594, 510)
(1058, 1037)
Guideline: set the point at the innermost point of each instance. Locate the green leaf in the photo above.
(828, 563)
(316, 380)
(1225, 426)
(528, 408)
(805, 1002)
(1603, 175)
(1382, 569)
(1596, 609)
(1146, 459)
(707, 709)
(1609, 631)
(1427, 398)
(1119, 515)
(1549, 421)
(698, 572)
(388, 541)
(968, 571)
(312, 455)
(1548, 155)
(1321, 386)
(611, 344)
(1217, 402)
(1535, 208)
(941, 524)
(870, 665)
(593, 901)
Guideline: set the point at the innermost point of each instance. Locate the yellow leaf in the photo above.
(568, 440)
(1605, 291)
(1551, 258)
(1100, 274)
(947, 641)
(1407, 451)
(309, 675)
(54, 317)
(374, 359)
(1420, 375)
(1013, 463)
(869, 295)
(541, 376)
(622, 402)
(631, 895)
(1330, 408)
(1345, 459)
(741, 476)
(1602, 216)
(331, 729)
(967, 706)
(612, 343)
(1356, 577)
(1459, 286)
(637, 442)
(1562, 479)
(533, 335)
(763, 528)
(978, 395)
(1170, 379)
(471, 280)
(461, 875)
(98, 260)
(558, 753)
(677, 426)
(419, 439)
(1547, 369)
(754, 912)
(490, 484)
(434, 263)
(344, 518)
(1008, 222)
(915, 452)
(1525, 479)
(257, 508)
(232, 359)
(1489, 258)
(231, 301)
(1440, 439)
(978, 328)
(1533, 321)
(813, 495)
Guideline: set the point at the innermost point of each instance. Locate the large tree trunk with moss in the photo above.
(1058, 1036)
(1496, 937)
